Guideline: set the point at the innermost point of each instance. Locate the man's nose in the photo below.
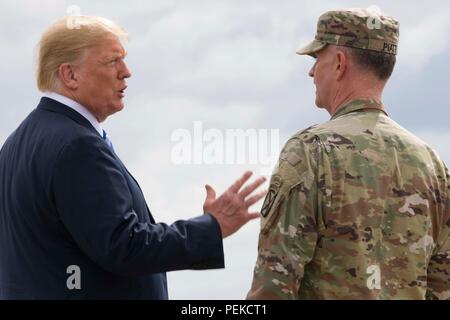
(125, 71)
(311, 72)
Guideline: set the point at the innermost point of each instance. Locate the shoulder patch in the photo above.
(274, 188)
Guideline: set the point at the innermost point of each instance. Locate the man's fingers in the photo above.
(254, 199)
(210, 194)
(253, 215)
(250, 188)
(240, 182)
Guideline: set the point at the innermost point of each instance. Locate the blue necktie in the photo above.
(108, 142)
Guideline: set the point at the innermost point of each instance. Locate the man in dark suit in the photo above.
(74, 223)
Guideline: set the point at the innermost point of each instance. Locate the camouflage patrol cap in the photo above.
(357, 28)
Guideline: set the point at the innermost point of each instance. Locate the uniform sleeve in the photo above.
(438, 273)
(288, 233)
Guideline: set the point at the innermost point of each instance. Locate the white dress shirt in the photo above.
(77, 107)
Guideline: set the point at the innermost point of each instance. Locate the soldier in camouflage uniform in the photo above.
(358, 207)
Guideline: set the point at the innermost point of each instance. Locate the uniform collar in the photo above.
(359, 105)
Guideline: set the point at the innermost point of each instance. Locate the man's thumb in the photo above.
(210, 193)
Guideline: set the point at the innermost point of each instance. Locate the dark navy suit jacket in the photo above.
(67, 200)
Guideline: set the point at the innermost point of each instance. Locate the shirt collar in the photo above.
(77, 107)
(359, 105)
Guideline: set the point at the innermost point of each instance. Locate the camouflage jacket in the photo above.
(357, 208)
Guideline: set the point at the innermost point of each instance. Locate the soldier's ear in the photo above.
(340, 65)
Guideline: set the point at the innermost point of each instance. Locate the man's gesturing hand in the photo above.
(231, 208)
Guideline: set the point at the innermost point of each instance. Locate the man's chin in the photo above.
(319, 104)
(114, 108)
(119, 106)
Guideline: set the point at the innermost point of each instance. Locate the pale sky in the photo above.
(230, 65)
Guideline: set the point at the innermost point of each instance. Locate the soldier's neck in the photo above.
(352, 93)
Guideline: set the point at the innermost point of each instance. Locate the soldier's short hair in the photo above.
(380, 63)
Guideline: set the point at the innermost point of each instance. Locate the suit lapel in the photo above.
(137, 184)
(55, 106)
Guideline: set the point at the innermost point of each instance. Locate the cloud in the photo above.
(422, 40)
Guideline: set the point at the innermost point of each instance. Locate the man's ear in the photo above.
(68, 76)
(341, 64)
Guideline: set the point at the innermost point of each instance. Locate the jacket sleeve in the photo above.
(95, 205)
(288, 235)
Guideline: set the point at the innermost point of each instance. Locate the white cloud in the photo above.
(422, 40)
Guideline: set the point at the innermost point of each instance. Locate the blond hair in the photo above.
(66, 41)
